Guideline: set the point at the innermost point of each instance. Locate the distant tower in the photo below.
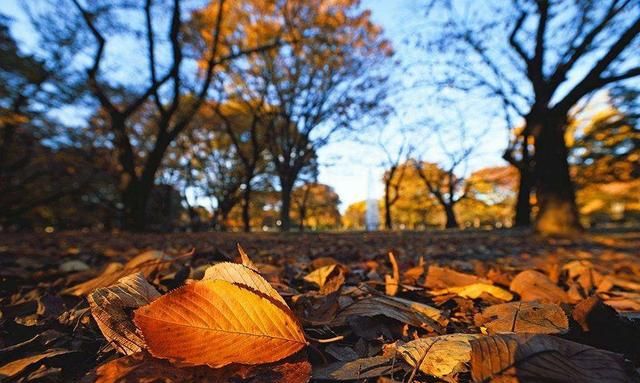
(372, 216)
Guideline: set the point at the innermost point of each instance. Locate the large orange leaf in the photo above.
(215, 322)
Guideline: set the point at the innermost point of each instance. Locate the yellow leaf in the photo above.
(475, 290)
(320, 275)
(242, 275)
(246, 261)
(440, 355)
(215, 322)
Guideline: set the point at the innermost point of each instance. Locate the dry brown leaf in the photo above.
(15, 367)
(530, 317)
(413, 313)
(476, 290)
(242, 275)
(357, 369)
(533, 358)
(583, 273)
(441, 355)
(108, 306)
(532, 285)
(245, 258)
(215, 322)
(142, 367)
(391, 282)
(444, 277)
(146, 263)
(319, 276)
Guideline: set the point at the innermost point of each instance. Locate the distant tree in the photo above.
(171, 85)
(354, 216)
(393, 177)
(31, 155)
(243, 119)
(604, 147)
(445, 186)
(325, 81)
(553, 55)
(316, 206)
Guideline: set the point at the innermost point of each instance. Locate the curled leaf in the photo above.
(108, 305)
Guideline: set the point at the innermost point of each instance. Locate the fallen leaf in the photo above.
(246, 261)
(357, 369)
(108, 305)
(443, 355)
(444, 277)
(215, 322)
(476, 290)
(532, 285)
(319, 276)
(242, 275)
(529, 317)
(532, 358)
(391, 282)
(405, 312)
(142, 367)
(16, 367)
(146, 263)
(341, 352)
(601, 326)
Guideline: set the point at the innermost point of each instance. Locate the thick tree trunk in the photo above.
(246, 201)
(523, 203)
(558, 213)
(452, 222)
(285, 209)
(135, 198)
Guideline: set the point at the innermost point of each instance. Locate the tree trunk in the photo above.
(523, 204)
(303, 213)
(246, 216)
(285, 209)
(387, 209)
(452, 222)
(558, 213)
(135, 198)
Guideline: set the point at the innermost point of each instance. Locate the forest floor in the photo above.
(447, 306)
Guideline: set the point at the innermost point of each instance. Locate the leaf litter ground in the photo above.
(437, 306)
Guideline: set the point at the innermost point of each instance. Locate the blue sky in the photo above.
(354, 166)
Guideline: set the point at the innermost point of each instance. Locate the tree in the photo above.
(175, 93)
(323, 82)
(393, 178)
(553, 56)
(243, 120)
(316, 206)
(29, 85)
(354, 216)
(211, 164)
(519, 154)
(445, 186)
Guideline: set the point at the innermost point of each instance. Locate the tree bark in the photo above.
(388, 224)
(452, 222)
(523, 203)
(135, 198)
(246, 200)
(558, 213)
(285, 209)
